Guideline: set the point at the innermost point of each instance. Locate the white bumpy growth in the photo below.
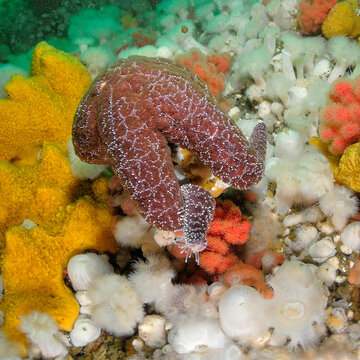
(296, 313)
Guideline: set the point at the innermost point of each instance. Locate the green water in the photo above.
(23, 23)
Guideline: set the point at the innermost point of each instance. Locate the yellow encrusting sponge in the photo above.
(343, 20)
(42, 107)
(38, 192)
(34, 261)
(348, 171)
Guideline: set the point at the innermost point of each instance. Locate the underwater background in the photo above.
(179, 179)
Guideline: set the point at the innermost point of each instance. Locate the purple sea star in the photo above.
(196, 215)
(135, 108)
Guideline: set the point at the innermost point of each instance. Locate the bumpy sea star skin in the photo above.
(131, 112)
(199, 207)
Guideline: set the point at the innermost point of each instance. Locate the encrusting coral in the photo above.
(354, 273)
(211, 69)
(38, 257)
(41, 108)
(266, 259)
(339, 126)
(312, 14)
(229, 227)
(246, 274)
(148, 102)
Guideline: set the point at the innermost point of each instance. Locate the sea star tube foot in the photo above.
(135, 108)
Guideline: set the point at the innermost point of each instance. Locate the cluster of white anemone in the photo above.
(295, 315)
(107, 301)
(205, 320)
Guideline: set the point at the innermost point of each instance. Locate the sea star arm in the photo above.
(87, 142)
(140, 104)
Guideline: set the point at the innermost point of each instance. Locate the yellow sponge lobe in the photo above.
(34, 262)
(42, 107)
(342, 20)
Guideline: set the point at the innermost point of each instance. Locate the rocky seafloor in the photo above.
(84, 276)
